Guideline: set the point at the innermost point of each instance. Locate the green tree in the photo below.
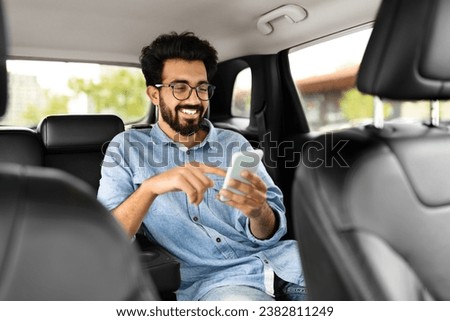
(356, 106)
(121, 92)
(55, 104)
(242, 101)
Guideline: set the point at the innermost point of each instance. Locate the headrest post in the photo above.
(434, 113)
(378, 112)
(156, 113)
(3, 71)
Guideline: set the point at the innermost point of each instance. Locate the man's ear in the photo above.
(153, 94)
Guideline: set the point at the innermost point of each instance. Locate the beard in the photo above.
(190, 126)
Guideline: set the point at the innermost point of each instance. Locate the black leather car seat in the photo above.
(76, 143)
(377, 226)
(20, 146)
(56, 241)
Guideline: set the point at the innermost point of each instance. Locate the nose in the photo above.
(193, 98)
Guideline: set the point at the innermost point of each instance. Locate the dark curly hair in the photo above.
(186, 46)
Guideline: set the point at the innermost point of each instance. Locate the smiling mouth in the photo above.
(189, 111)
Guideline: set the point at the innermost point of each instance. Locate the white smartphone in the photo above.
(241, 161)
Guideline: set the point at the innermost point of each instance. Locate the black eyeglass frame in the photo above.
(211, 89)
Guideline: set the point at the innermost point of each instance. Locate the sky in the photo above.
(54, 75)
(329, 56)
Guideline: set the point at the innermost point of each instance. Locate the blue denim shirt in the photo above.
(212, 241)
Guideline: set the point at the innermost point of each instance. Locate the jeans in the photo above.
(284, 291)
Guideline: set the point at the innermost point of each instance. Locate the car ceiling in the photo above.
(114, 31)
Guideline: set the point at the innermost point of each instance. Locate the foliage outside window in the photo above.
(240, 105)
(38, 89)
(325, 76)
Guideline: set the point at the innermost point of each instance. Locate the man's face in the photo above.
(182, 117)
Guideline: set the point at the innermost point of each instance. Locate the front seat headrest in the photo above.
(408, 55)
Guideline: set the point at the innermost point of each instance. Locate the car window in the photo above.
(240, 105)
(41, 88)
(325, 77)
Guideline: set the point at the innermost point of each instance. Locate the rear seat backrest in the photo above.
(20, 146)
(76, 143)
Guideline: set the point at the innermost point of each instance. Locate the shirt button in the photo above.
(265, 261)
(195, 218)
(218, 240)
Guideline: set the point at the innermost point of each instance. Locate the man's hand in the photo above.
(253, 203)
(254, 197)
(189, 178)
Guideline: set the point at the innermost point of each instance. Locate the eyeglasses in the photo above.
(183, 91)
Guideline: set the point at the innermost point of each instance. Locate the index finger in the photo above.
(208, 169)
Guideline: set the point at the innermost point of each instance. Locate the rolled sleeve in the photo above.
(281, 231)
(116, 179)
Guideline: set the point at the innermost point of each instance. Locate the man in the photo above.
(170, 177)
